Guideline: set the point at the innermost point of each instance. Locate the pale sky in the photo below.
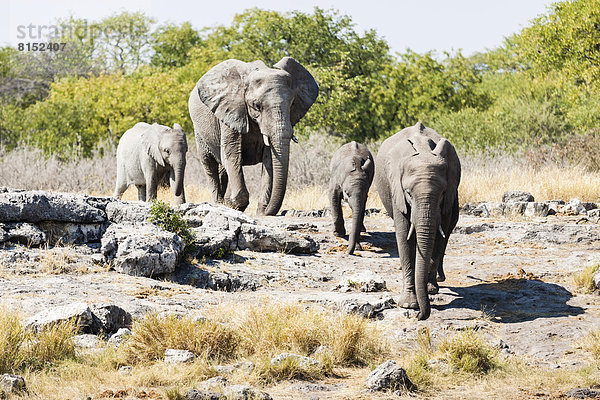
(421, 25)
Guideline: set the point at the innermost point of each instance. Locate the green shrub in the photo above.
(170, 220)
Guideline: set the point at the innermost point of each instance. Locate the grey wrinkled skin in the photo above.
(352, 168)
(244, 114)
(417, 177)
(148, 154)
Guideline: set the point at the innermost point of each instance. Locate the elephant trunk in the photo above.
(358, 213)
(177, 183)
(280, 155)
(426, 230)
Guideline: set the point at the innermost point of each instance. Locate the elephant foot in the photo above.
(408, 300)
(339, 232)
(441, 277)
(432, 288)
(236, 205)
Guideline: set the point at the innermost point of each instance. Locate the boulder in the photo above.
(119, 337)
(67, 232)
(594, 213)
(174, 356)
(211, 241)
(245, 366)
(194, 394)
(302, 361)
(244, 392)
(214, 383)
(325, 212)
(388, 376)
(583, 393)
(536, 209)
(12, 383)
(81, 312)
(119, 211)
(517, 195)
(596, 279)
(214, 215)
(111, 317)
(366, 308)
(265, 238)
(574, 207)
(36, 206)
(365, 281)
(23, 233)
(141, 249)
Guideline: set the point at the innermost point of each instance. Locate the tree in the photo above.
(172, 44)
(565, 41)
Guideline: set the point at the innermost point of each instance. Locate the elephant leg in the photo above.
(231, 155)
(266, 181)
(223, 180)
(151, 187)
(336, 212)
(406, 255)
(121, 186)
(448, 224)
(141, 192)
(212, 172)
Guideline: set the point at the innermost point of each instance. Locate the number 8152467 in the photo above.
(33, 46)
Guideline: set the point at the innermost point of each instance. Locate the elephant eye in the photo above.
(256, 106)
(167, 151)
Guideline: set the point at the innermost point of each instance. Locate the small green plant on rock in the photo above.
(170, 220)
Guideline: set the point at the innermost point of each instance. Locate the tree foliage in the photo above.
(539, 87)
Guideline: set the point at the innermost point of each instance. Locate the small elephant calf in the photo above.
(146, 155)
(352, 169)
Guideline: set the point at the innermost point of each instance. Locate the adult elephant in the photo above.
(417, 177)
(243, 114)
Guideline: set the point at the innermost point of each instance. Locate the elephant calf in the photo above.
(418, 172)
(146, 155)
(352, 170)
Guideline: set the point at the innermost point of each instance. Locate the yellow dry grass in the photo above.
(546, 183)
(486, 183)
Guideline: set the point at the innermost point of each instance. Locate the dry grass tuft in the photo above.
(154, 334)
(21, 348)
(12, 339)
(466, 351)
(584, 280)
(349, 340)
(592, 343)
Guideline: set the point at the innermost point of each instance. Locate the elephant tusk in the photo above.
(410, 231)
(294, 138)
(266, 140)
(442, 232)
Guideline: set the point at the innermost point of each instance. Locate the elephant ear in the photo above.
(222, 89)
(446, 150)
(150, 143)
(303, 81)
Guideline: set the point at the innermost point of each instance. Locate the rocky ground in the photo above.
(510, 278)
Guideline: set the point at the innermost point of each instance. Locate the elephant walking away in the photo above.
(417, 177)
(352, 168)
(244, 114)
(146, 155)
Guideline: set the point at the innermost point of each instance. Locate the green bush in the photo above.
(170, 220)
